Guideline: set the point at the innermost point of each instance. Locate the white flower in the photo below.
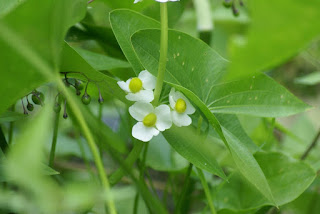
(139, 88)
(150, 120)
(162, 1)
(181, 108)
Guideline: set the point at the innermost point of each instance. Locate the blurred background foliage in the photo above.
(71, 185)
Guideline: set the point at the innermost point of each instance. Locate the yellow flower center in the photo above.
(181, 106)
(150, 120)
(135, 85)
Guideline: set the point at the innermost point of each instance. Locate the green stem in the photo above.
(204, 19)
(184, 189)
(54, 140)
(10, 132)
(132, 157)
(163, 52)
(136, 203)
(206, 190)
(92, 145)
(14, 41)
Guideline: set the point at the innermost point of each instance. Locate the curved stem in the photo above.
(206, 190)
(184, 190)
(132, 157)
(54, 140)
(311, 146)
(93, 146)
(163, 52)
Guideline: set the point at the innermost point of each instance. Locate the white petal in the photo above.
(136, 1)
(143, 133)
(140, 109)
(124, 85)
(178, 95)
(143, 96)
(148, 80)
(164, 120)
(180, 119)
(171, 100)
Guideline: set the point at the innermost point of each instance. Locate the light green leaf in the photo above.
(287, 178)
(43, 32)
(6, 6)
(123, 32)
(205, 67)
(162, 157)
(101, 62)
(279, 29)
(309, 79)
(10, 116)
(256, 95)
(72, 61)
(191, 146)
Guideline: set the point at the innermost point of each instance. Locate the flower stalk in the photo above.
(163, 52)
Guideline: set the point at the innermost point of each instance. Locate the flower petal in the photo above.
(124, 85)
(143, 133)
(142, 96)
(140, 109)
(148, 80)
(171, 100)
(164, 120)
(180, 119)
(136, 1)
(178, 95)
(162, 1)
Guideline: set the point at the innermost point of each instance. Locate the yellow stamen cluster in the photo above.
(135, 85)
(150, 120)
(180, 106)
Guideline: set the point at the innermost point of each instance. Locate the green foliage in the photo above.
(247, 159)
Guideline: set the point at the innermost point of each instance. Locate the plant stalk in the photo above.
(163, 52)
(311, 146)
(54, 140)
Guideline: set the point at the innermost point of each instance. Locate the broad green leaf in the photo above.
(10, 116)
(191, 146)
(279, 29)
(309, 79)
(6, 6)
(162, 157)
(72, 61)
(39, 36)
(281, 173)
(123, 32)
(24, 167)
(307, 203)
(204, 68)
(101, 62)
(256, 95)
(48, 170)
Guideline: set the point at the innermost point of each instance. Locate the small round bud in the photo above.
(227, 3)
(65, 115)
(78, 93)
(79, 85)
(235, 11)
(86, 99)
(30, 107)
(37, 98)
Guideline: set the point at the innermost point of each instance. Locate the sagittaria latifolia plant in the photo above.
(169, 106)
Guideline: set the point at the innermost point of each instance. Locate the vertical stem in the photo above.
(206, 190)
(204, 19)
(184, 190)
(54, 140)
(92, 144)
(136, 204)
(163, 52)
(10, 132)
(311, 146)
